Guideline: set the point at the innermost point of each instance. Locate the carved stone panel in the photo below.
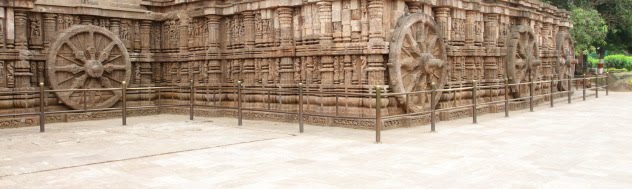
(88, 57)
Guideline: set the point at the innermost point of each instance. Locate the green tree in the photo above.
(617, 15)
(589, 30)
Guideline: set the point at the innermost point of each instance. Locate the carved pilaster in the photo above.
(470, 21)
(3, 81)
(9, 28)
(327, 70)
(441, 16)
(214, 31)
(414, 7)
(115, 26)
(249, 25)
(326, 26)
(85, 20)
(546, 33)
(376, 70)
(135, 36)
(285, 22)
(184, 34)
(145, 30)
(376, 14)
(50, 25)
(20, 30)
(23, 71)
(491, 30)
(348, 71)
(364, 20)
(2, 31)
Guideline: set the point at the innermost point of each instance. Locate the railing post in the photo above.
(474, 97)
(378, 114)
(597, 86)
(300, 107)
(570, 89)
(239, 103)
(42, 115)
(506, 97)
(531, 84)
(191, 99)
(584, 87)
(551, 94)
(124, 112)
(158, 102)
(432, 107)
(85, 101)
(337, 108)
(407, 103)
(607, 77)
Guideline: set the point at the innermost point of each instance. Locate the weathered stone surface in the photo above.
(329, 45)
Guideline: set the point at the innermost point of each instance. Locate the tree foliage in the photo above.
(589, 30)
(617, 15)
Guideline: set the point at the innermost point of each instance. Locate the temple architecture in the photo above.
(342, 46)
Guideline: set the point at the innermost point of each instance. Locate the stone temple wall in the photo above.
(328, 45)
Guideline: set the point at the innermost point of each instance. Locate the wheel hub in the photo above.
(94, 68)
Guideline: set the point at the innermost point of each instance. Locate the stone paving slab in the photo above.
(581, 145)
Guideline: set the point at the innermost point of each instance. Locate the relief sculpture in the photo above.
(328, 45)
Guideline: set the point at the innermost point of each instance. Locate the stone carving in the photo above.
(2, 43)
(88, 56)
(35, 27)
(329, 45)
(565, 63)
(417, 59)
(522, 58)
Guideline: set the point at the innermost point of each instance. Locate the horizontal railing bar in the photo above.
(266, 110)
(72, 90)
(18, 114)
(341, 117)
(81, 111)
(158, 106)
(18, 92)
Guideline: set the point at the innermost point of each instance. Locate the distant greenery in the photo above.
(600, 23)
(616, 62)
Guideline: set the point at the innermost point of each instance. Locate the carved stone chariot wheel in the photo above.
(417, 58)
(522, 59)
(88, 57)
(565, 63)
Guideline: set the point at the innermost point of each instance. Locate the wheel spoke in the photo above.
(413, 44)
(77, 82)
(105, 53)
(430, 44)
(70, 60)
(110, 77)
(105, 82)
(79, 54)
(74, 69)
(112, 59)
(111, 67)
(91, 44)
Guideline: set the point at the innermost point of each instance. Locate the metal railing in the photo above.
(222, 97)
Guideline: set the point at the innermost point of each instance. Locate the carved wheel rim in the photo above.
(565, 63)
(88, 57)
(417, 58)
(522, 58)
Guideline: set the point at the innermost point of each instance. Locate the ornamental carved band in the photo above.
(343, 46)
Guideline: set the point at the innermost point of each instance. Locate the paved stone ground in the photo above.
(582, 145)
